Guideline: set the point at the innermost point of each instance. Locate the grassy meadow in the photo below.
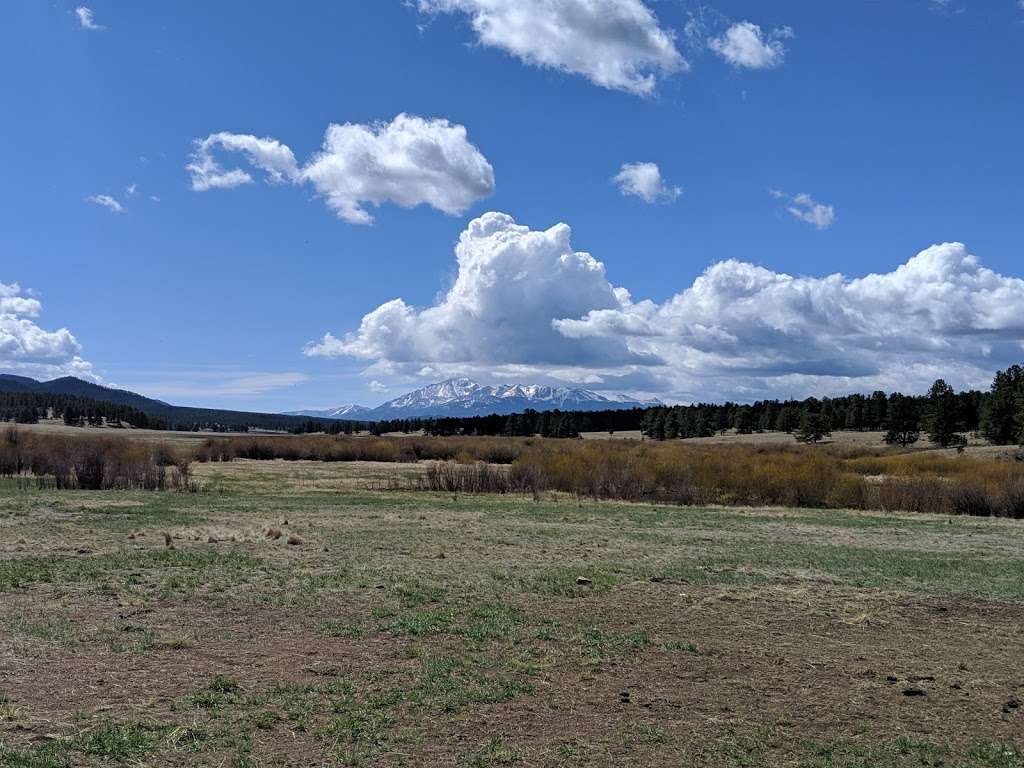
(300, 613)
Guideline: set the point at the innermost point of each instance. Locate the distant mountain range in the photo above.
(174, 416)
(69, 385)
(464, 397)
(456, 397)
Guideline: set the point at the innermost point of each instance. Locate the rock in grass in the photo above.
(294, 540)
(913, 692)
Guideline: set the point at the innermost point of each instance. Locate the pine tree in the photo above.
(673, 424)
(743, 421)
(902, 422)
(788, 420)
(943, 420)
(855, 413)
(876, 410)
(813, 428)
(1001, 423)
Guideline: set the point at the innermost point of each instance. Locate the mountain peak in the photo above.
(462, 396)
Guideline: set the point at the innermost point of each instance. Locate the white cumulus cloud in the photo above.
(525, 304)
(30, 350)
(409, 161)
(512, 282)
(616, 44)
(644, 180)
(107, 202)
(745, 45)
(87, 20)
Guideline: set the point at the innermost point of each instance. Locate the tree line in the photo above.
(30, 407)
(941, 415)
(23, 407)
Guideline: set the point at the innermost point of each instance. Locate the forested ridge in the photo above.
(941, 416)
(82, 403)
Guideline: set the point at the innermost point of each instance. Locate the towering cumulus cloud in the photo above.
(26, 348)
(409, 161)
(512, 281)
(527, 301)
(616, 44)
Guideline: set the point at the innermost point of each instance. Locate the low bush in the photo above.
(93, 462)
(343, 448)
(745, 476)
(677, 472)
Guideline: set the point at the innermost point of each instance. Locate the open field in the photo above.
(58, 427)
(840, 438)
(424, 629)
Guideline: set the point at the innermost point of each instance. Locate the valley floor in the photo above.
(303, 616)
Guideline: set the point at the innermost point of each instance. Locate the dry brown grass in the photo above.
(791, 476)
(93, 462)
(836, 475)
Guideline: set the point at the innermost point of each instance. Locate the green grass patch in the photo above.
(26, 571)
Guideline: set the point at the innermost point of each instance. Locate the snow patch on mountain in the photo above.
(464, 397)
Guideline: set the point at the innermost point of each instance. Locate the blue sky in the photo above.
(792, 141)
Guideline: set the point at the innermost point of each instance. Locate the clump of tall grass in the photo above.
(677, 472)
(747, 476)
(344, 448)
(480, 477)
(93, 462)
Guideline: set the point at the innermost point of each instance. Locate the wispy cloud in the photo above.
(228, 382)
(87, 20)
(805, 208)
(106, 201)
(745, 45)
(946, 7)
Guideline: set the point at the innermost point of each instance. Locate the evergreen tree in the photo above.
(673, 424)
(789, 419)
(743, 420)
(653, 424)
(875, 410)
(1001, 422)
(855, 413)
(813, 427)
(902, 422)
(943, 419)
(721, 419)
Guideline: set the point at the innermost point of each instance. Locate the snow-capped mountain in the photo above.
(354, 412)
(465, 397)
